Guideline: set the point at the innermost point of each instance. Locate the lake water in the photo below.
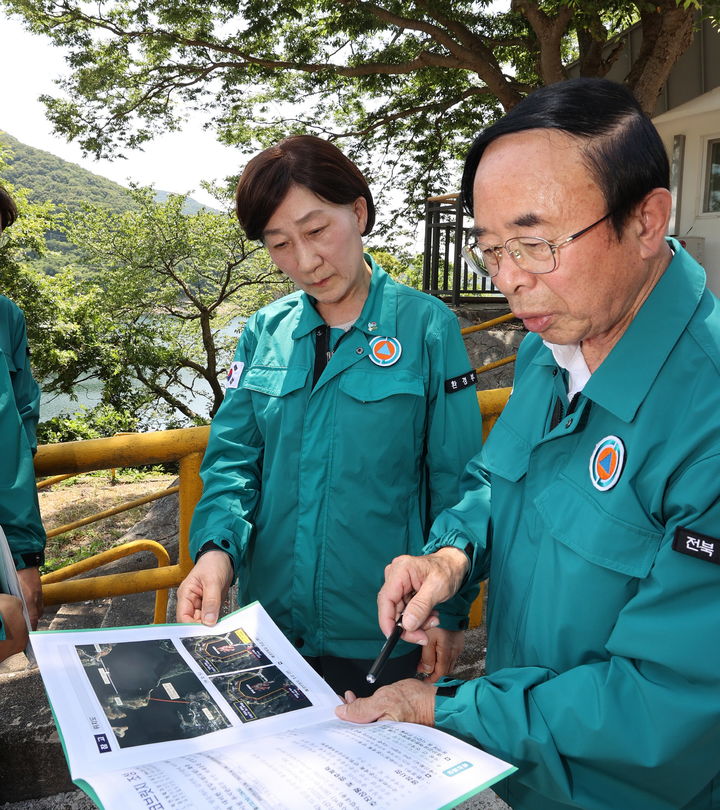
(89, 393)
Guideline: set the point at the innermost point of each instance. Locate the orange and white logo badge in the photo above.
(606, 463)
(385, 351)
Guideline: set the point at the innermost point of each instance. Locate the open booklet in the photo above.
(180, 717)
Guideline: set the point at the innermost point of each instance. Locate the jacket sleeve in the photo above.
(465, 523)
(641, 728)
(231, 468)
(454, 435)
(25, 389)
(19, 508)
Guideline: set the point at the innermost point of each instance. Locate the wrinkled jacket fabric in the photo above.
(19, 411)
(314, 491)
(603, 662)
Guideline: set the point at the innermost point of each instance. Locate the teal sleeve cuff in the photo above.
(222, 540)
(211, 545)
(452, 539)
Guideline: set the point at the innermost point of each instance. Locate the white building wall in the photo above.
(698, 121)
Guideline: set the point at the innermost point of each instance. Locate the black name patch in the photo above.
(697, 545)
(461, 381)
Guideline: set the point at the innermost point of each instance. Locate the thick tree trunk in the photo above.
(667, 33)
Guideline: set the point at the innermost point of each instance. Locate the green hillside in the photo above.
(52, 179)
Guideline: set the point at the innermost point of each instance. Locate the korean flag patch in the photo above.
(233, 376)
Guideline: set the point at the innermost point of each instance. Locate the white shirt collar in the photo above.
(570, 358)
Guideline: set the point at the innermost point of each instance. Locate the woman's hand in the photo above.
(16, 634)
(204, 589)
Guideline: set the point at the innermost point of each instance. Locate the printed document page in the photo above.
(329, 766)
(127, 696)
(182, 717)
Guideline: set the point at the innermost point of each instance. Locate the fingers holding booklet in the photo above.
(176, 717)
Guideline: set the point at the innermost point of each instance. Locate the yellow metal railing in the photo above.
(185, 446)
(491, 402)
(468, 330)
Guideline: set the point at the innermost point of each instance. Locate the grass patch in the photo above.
(85, 495)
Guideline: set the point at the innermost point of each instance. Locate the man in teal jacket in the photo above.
(19, 412)
(308, 488)
(596, 501)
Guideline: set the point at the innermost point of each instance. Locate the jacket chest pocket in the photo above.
(579, 522)
(383, 408)
(368, 387)
(272, 390)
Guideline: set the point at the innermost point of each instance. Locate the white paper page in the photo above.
(127, 696)
(332, 766)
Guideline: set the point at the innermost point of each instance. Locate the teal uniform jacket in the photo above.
(19, 411)
(603, 662)
(314, 491)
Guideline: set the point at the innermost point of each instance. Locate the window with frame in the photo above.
(711, 198)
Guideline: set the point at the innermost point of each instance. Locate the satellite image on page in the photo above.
(148, 692)
(245, 676)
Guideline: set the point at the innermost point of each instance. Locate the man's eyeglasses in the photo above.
(530, 253)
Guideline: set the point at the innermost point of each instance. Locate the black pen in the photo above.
(387, 648)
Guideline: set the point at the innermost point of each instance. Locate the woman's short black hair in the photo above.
(301, 160)
(623, 150)
(8, 210)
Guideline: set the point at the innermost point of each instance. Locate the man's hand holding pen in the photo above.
(432, 579)
(413, 586)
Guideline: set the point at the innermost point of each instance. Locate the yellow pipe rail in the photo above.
(468, 330)
(491, 402)
(185, 446)
(55, 479)
(76, 591)
(115, 510)
(497, 363)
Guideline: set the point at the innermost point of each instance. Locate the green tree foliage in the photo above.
(404, 84)
(56, 310)
(169, 294)
(47, 178)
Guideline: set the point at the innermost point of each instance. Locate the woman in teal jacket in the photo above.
(349, 414)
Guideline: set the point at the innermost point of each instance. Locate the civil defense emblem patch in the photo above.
(606, 463)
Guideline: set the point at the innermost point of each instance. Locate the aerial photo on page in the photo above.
(253, 687)
(148, 692)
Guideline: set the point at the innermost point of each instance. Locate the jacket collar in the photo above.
(625, 377)
(378, 315)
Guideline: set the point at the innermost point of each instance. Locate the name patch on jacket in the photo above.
(697, 545)
(461, 381)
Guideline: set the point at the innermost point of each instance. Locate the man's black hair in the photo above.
(622, 148)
